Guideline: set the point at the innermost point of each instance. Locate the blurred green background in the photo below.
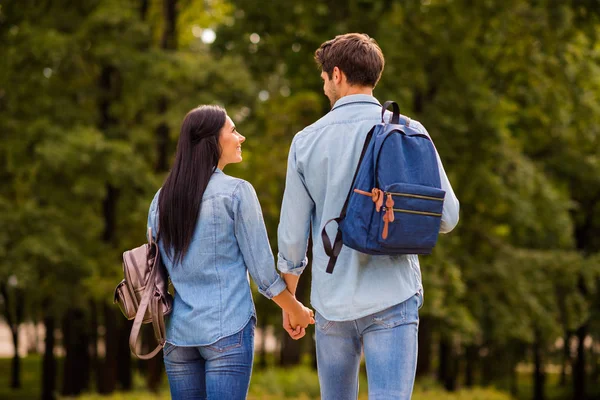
(92, 94)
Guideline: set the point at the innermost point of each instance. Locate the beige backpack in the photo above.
(143, 295)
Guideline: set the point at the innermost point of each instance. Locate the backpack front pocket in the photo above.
(411, 217)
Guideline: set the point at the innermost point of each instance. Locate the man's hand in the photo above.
(295, 334)
(302, 317)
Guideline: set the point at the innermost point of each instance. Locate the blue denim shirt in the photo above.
(212, 289)
(321, 163)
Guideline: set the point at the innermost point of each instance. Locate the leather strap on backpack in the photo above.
(334, 251)
(152, 300)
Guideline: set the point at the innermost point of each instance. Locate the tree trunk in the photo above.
(68, 386)
(447, 368)
(94, 363)
(109, 366)
(76, 368)
(124, 356)
(539, 376)
(579, 378)
(514, 382)
(471, 353)
(14, 309)
(487, 365)
(110, 87)
(169, 36)
(19, 313)
(155, 366)
(49, 362)
(15, 375)
(143, 9)
(290, 350)
(425, 342)
(168, 42)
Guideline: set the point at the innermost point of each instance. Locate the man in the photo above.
(370, 303)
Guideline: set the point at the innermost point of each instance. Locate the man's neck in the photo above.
(350, 90)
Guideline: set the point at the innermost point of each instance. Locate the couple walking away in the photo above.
(212, 233)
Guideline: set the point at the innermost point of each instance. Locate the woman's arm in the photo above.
(253, 241)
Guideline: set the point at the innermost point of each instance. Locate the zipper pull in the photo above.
(373, 194)
(389, 202)
(379, 202)
(390, 214)
(363, 192)
(384, 233)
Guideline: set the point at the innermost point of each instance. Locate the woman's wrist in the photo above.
(296, 307)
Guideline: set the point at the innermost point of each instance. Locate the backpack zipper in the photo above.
(416, 196)
(414, 212)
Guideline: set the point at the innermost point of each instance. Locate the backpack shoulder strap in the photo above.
(156, 311)
(334, 251)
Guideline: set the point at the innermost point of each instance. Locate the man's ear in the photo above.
(337, 75)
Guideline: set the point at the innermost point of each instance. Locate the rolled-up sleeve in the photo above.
(294, 223)
(251, 234)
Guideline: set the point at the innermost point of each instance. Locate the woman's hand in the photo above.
(304, 317)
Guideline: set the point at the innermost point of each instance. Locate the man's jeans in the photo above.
(219, 371)
(389, 341)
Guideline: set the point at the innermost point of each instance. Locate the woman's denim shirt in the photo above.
(212, 289)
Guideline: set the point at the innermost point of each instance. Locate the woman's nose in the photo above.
(242, 139)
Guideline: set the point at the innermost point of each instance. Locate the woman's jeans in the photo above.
(389, 341)
(219, 371)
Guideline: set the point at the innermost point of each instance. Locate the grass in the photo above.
(297, 383)
(30, 372)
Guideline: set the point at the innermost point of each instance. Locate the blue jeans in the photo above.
(219, 371)
(389, 341)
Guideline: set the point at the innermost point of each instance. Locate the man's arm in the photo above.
(299, 332)
(294, 223)
(451, 207)
(292, 235)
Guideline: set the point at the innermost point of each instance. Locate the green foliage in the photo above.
(508, 90)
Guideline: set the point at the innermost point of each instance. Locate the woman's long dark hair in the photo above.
(197, 157)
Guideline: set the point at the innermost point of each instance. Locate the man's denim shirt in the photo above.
(321, 163)
(212, 290)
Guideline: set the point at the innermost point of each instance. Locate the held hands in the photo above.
(296, 323)
(303, 318)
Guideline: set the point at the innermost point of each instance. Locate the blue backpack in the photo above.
(395, 203)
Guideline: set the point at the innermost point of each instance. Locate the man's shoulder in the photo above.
(336, 119)
(315, 127)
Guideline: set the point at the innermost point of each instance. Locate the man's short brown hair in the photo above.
(356, 54)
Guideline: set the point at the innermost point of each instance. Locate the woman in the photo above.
(211, 233)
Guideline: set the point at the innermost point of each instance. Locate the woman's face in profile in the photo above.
(230, 141)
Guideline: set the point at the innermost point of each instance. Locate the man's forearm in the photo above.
(291, 281)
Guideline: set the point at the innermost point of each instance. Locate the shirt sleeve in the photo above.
(451, 207)
(152, 218)
(251, 235)
(294, 223)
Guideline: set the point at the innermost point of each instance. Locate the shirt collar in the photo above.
(355, 98)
